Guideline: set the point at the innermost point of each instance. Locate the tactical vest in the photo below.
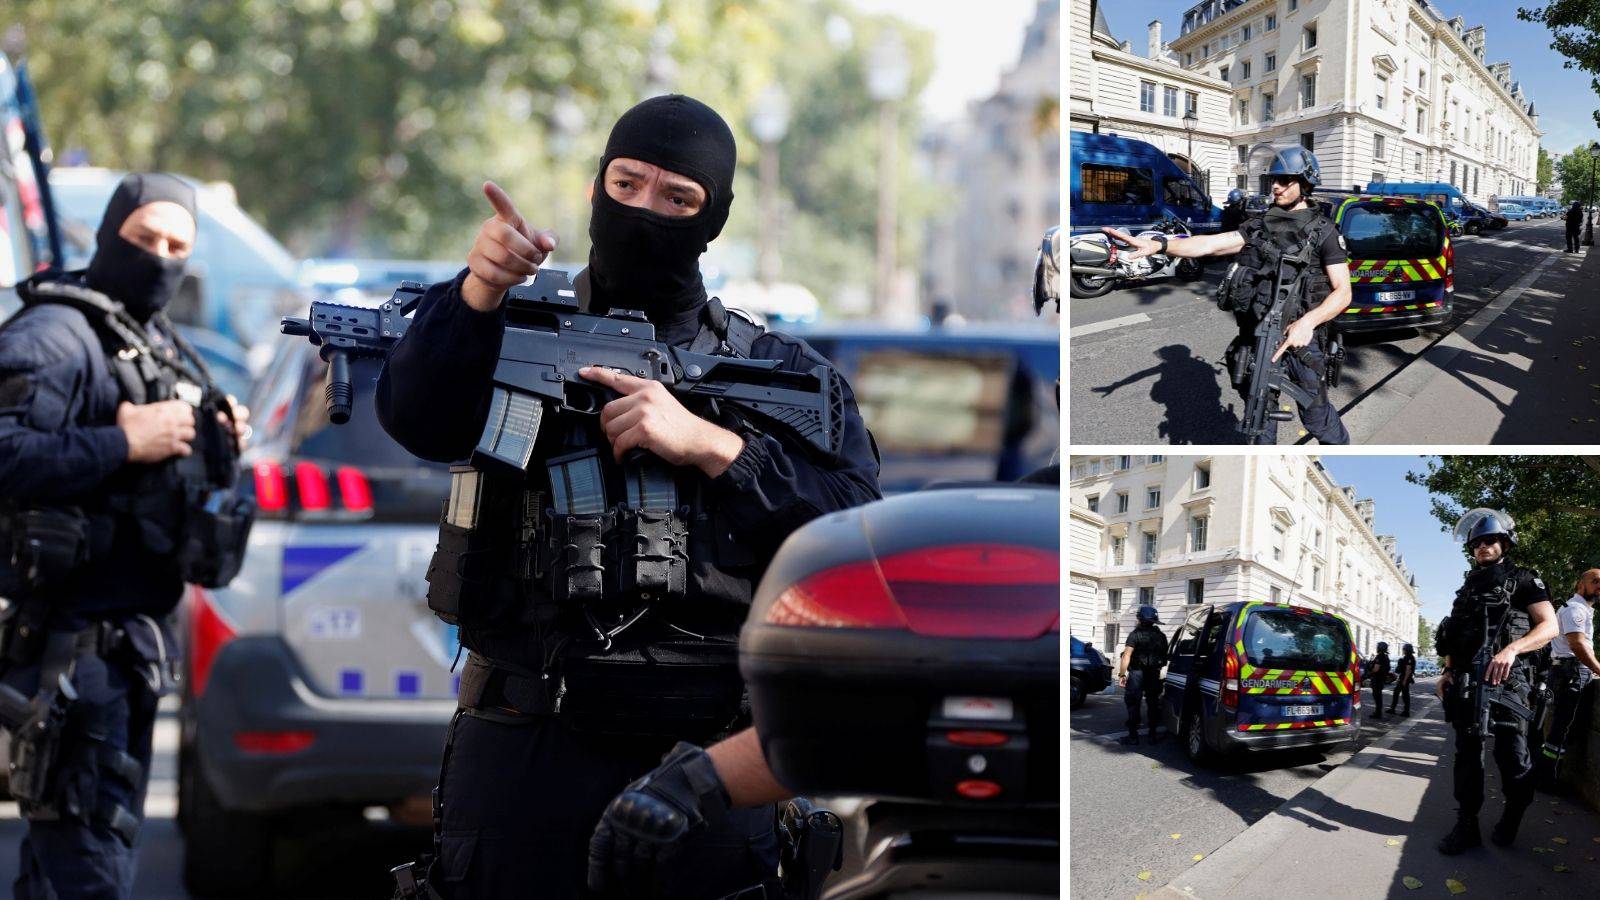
(593, 556)
(1467, 627)
(1248, 286)
(1147, 654)
(186, 507)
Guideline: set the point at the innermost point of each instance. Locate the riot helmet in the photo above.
(1297, 162)
(1236, 197)
(1147, 615)
(1408, 650)
(1047, 272)
(1485, 522)
(1383, 646)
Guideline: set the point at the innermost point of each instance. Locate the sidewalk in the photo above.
(1525, 369)
(1369, 825)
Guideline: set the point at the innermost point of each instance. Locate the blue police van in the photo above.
(1131, 184)
(1249, 676)
(1474, 218)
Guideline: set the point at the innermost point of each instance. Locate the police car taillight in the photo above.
(272, 493)
(312, 486)
(1355, 685)
(354, 490)
(960, 591)
(208, 631)
(1449, 267)
(1230, 679)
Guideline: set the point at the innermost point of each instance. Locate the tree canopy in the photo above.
(1575, 35)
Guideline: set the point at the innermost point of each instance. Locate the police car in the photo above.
(1249, 676)
(319, 684)
(1402, 261)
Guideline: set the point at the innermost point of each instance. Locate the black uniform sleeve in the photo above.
(44, 453)
(433, 393)
(1530, 589)
(1333, 251)
(775, 485)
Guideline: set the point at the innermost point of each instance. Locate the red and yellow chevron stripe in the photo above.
(1359, 310)
(1287, 726)
(1398, 271)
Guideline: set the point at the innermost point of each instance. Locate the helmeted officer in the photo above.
(1379, 670)
(1233, 211)
(1574, 223)
(1573, 664)
(577, 683)
(1139, 671)
(1406, 675)
(1292, 226)
(1497, 597)
(115, 489)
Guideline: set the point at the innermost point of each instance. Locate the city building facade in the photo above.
(1380, 90)
(1119, 92)
(1178, 531)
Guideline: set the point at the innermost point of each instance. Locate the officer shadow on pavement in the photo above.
(1189, 387)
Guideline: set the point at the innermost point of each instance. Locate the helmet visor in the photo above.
(1493, 520)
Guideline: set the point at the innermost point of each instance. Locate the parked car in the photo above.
(1131, 184)
(318, 682)
(1091, 674)
(1249, 676)
(1402, 261)
(967, 403)
(1513, 212)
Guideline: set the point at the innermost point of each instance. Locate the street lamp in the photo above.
(1594, 157)
(1190, 123)
(769, 124)
(888, 76)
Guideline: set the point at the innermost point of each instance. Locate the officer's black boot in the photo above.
(1153, 736)
(1505, 830)
(1131, 739)
(1464, 836)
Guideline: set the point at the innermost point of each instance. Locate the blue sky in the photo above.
(1563, 98)
(1402, 510)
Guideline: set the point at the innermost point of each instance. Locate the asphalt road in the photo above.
(1145, 362)
(1146, 808)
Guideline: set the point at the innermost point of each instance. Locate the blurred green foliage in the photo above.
(1578, 181)
(367, 126)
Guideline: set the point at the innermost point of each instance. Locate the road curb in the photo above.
(1253, 846)
(1375, 410)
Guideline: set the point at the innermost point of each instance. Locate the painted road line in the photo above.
(1108, 325)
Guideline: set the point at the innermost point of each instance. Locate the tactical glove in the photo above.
(642, 830)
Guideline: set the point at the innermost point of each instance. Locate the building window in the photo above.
(1119, 548)
(1122, 501)
(1308, 140)
(1377, 146)
(1244, 70)
(1152, 498)
(1271, 62)
(1266, 107)
(1222, 73)
(1294, 5)
(1094, 502)
(1244, 35)
(1418, 155)
(1169, 101)
(1317, 541)
(1422, 120)
(1197, 591)
(1452, 171)
(1147, 596)
(1383, 91)
(1276, 595)
(1244, 119)
(1149, 546)
(1242, 182)
(1310, 37)
(1308, 91)
(1278, 535)
(1316, 579)
(1475, 179)
(1272, 22)
(1147, 96)
(1422, 79)
(1112, 633)
(1191, 102)
(1197, 534)
(1242, 150)
(1188, 59)
(1157, 457)
(1124, 462)
(1114, 599)
(1378, 178)
(1202, 476)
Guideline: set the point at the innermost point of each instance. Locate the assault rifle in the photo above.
(1269, 380)
(547, 340)
(1477, 689)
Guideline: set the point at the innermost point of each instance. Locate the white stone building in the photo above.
(1117, 91)
(1378, 89)
(1175, 531)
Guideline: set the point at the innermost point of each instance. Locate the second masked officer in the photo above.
(559, 712)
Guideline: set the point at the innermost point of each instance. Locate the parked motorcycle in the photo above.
(1098, 264)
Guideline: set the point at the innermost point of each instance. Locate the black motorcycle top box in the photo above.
(911, 649)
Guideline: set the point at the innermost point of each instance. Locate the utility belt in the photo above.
(602, 563)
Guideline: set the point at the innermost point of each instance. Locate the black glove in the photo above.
(644, 827)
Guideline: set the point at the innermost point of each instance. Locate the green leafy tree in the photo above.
(1555, 501)
(1424, 638)
(1578, 177)
(1546, 172)
(1575, 34)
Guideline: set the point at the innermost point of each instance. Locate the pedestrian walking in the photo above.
(1139, 673)
(1405, 676)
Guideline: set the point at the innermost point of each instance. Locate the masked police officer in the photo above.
(1573, 664)
(1504, 599)
(114, 477)
(1293, 224)
(562, 703)
(1139, 672)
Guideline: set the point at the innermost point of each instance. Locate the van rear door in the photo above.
(1296, 669)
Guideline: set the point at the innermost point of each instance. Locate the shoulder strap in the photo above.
(731, 333)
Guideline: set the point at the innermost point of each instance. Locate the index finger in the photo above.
(621, 383)
(503, 207)
(1281, 347)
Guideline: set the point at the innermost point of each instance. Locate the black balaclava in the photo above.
(639, 258)
(142, 281)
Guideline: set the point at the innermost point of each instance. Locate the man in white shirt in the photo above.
(1572, 664)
